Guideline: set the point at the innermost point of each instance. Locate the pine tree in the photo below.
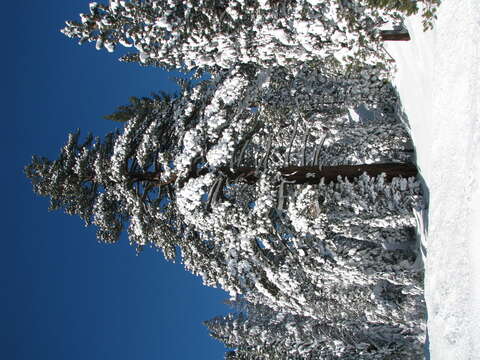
(260, 201)
(209, 35)
(123, 177)
(257, 332)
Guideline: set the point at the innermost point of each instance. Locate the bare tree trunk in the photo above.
(297, 174)
(394, 35)
(313, 175)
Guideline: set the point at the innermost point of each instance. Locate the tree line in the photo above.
(261, 177)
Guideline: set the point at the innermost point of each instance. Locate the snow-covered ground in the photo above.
(439, 83)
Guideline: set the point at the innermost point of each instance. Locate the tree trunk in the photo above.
(313, 175)
(394, 35)
(296, 174)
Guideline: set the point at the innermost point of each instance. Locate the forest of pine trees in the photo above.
(259, 175)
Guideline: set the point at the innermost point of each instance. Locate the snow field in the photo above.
(439, 80)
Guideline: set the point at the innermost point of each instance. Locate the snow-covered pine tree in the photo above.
(253, 194)
(125, 177)
(255, 331)
(209, 35)
(280, 235)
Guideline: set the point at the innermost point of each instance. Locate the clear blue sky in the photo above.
(63, 294)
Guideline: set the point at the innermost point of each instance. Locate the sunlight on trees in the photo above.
(265, 179)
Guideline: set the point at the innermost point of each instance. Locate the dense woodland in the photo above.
(280, 172)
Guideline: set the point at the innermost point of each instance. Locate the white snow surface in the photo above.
(439, 83)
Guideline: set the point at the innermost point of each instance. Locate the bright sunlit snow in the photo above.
(438, 80)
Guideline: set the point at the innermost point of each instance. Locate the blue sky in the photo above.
(63, 294)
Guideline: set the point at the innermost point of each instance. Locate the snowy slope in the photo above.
(439, 83)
